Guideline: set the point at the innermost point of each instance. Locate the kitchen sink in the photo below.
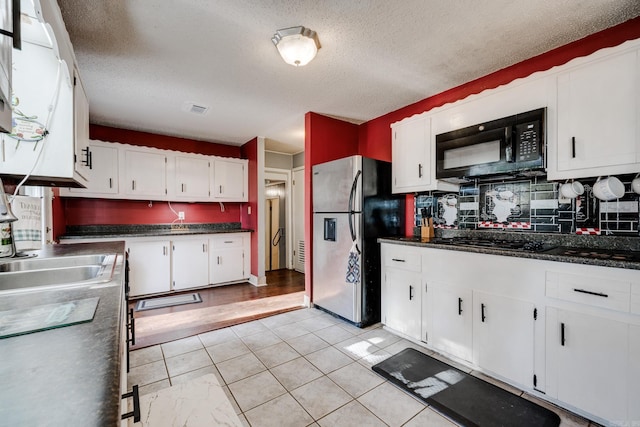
(29, 274)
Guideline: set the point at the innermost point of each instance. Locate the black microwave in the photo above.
(511, 146)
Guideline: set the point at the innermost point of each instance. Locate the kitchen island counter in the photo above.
(67, 376)
(561, 248)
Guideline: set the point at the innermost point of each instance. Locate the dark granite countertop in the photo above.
(69, 376)
(149, 230)
(558, 244)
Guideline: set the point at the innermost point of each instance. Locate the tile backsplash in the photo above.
(531, 205)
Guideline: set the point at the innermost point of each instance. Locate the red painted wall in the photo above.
(332, 139)
(250, 221)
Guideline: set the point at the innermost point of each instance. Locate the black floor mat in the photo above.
(465, 399)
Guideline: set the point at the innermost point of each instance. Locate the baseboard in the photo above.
(307, 301)
(255, 281)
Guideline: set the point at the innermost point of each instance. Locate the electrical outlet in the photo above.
(180, 215)
(248, 210)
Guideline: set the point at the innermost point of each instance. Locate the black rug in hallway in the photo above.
(464, 398)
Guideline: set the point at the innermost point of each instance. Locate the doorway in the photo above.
(275, 225)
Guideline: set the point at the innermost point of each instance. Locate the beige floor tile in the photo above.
(354, 330)
(187, 362)
(328, 359)
(147, 374)
(316, 323)
(381, 338)
(307, 343)
(398, 346)
(276, 354)
(283, 411)
(375, 358)
(232, 399)
(295, 373)
(240, 367)
(357, 347)
(273, 322)
(303, 314)
(153, 387)
(320, 397)
(182, 346)
(249, 328)
(289, 331)
(351, 414)
(145, 355)
(333, 334)
(355, 379)
(261, 340)
(431, 418)
(218, 336)
(244, 421)
(227, 350)
(256, 390)
(390, 404)
(179, 379)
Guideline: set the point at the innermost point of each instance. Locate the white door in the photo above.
(229, 180)
(191, 177)
(451, 316)
(503, 336)
(226, 258)
(634, 373)
(103, 174)
(298, 220)
(410, 154)
(190, 260)
(590, 356)
(150, 267)
(597, 115)
(145, 173)
(402, 301)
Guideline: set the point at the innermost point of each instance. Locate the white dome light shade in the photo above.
(297, 45)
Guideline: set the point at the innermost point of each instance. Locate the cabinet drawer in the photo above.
(635, 298)
(405, 259)
(595, 291)
(227, 241)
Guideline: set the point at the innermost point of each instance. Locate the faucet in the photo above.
(7, 245)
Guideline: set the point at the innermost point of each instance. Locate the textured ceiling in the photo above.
(142, 61)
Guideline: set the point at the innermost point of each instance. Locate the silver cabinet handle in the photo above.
(419, 170)
(133, 184)
(410, 292)
(218, 260)
(204, 247)
(110, 183)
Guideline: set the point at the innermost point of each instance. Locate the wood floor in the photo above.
(221, 306)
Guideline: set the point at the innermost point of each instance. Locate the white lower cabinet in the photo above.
(503, 336)
(634, 373)
(190, 263)
(228, 258)
(150, 266)
(451, 309)
(587, 359)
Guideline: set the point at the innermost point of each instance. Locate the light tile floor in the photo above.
(299, 368)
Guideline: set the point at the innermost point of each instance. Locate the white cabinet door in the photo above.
(145, 173)
(228, 255)
(411, 160)
(229, 180)
(103, 173)
(598, 118)
(149, 267)
(83, 159)
(588, 356)
(401, 295)
(634, 373)
(450, 309)
(190, 261)
(191, 179)
(503, 336)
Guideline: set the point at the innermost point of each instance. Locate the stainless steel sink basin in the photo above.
(25, 274)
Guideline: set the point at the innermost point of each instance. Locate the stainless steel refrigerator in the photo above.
(352, 207)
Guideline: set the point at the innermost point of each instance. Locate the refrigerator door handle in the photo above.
(354, 187)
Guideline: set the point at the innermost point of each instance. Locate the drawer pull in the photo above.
(483, 317)
(410, 292)
(397, 260)
(459, 306)
(598, 294)
(562, 340)
(136, 405)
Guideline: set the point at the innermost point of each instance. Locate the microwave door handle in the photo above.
(508, 146)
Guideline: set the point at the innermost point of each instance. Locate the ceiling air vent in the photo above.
(190, 107)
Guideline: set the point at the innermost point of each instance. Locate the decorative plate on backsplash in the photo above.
(505, 205)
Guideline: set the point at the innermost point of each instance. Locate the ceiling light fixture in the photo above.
(297, 45)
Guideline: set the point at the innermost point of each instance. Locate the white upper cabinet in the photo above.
(83, 158)
(598, 118)
(412, 154)
(191, 177)
(229, 179)
(145, 173)
(103, 172)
